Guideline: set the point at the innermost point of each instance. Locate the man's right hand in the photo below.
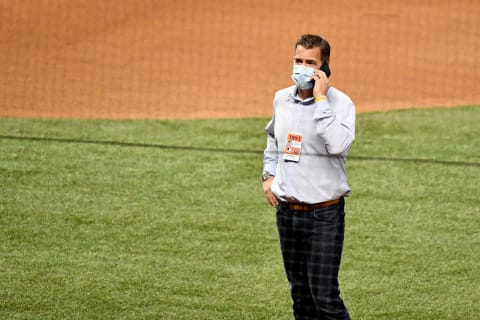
(267, 190)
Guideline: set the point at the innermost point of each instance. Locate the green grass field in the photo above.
(165, 220)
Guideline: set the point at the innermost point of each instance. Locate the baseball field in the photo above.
(131, 147)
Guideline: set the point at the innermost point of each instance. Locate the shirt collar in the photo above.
(296, 98)
(293, 95)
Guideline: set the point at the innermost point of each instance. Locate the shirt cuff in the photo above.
(270, 168)
(322, 110)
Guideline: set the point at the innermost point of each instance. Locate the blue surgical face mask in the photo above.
(302, 76)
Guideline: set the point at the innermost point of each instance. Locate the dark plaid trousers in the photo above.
(311, 243)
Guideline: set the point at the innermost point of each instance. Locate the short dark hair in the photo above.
(310, 41)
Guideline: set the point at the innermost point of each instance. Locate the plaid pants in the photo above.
(311, 243)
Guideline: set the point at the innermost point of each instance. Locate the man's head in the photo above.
(310, 62)
(313, 44)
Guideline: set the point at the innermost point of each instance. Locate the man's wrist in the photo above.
(266, 175)
(320, 98)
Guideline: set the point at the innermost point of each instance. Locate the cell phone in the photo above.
(325, 68)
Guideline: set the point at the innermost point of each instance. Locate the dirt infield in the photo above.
(189, 58)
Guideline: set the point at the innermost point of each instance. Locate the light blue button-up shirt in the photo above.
(327, 128)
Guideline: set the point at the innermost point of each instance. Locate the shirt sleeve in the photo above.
(336, 125)
(270, 155)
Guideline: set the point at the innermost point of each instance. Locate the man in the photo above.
(304, 178)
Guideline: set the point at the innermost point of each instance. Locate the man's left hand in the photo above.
(321, 83)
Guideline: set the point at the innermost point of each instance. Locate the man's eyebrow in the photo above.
(306, 60)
